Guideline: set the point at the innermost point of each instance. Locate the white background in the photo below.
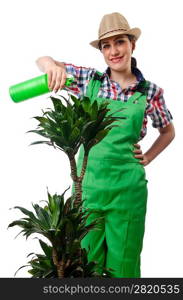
(63, 30)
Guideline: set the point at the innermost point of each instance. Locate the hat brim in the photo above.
(136, 32)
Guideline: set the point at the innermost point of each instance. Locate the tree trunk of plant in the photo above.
(58, 264)
(78, 179)
(60, 269)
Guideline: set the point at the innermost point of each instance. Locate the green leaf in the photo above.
(43, 216)
(75, 135)
(46, 249)
(41, 142)
(101, 135)
(26, 212)
(21, 268)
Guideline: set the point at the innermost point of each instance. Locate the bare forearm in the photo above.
(44, 62)
(159, 145)
(56, 72)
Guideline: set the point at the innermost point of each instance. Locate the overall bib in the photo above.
(115, 184)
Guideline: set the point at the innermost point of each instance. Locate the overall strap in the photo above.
(135, 97)
(94, 85)
(143, 87)
(141, 91)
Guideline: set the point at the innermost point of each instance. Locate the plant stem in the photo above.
(85, 160)
(78, 179)
(68, 263)
(60, 269)
(55, 257)
(58, 264)
(73, 168)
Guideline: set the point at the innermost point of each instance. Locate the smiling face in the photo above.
(117, 51)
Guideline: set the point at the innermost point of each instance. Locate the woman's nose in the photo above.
(114, 50)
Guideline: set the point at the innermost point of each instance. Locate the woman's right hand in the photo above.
(56, 72)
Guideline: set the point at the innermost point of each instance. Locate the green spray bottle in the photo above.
(32, 88)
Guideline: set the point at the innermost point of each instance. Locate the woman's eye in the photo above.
(120, 41)
(105, 46)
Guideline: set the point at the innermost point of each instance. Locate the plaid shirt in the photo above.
(156, 108)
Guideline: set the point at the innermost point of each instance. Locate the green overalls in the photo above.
(115, 184)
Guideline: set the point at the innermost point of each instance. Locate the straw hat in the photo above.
(114, 24)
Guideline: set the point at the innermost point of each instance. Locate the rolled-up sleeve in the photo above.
(82, 76)
(157, 109)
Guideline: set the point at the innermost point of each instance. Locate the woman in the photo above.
(114, 182)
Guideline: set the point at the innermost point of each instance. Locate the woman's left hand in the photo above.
(143, 158)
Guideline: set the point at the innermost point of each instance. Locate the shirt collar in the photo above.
(135, 71)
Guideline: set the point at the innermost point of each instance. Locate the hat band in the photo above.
(111, 31)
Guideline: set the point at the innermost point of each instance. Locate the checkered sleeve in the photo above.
(156, 107)
(82, 76)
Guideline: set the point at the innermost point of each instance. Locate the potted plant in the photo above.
(63, 222)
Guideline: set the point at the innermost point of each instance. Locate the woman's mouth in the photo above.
(116, 59)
